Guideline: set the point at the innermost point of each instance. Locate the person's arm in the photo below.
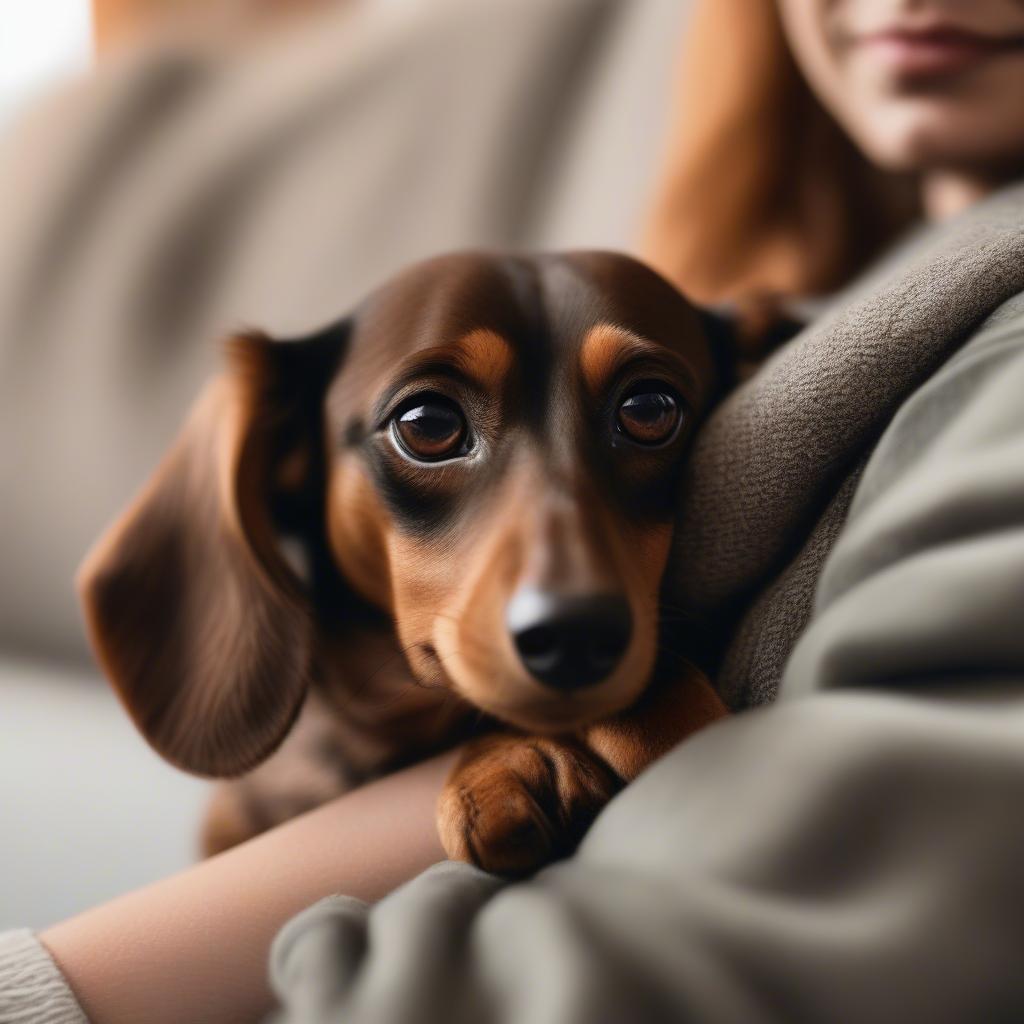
(194, 947)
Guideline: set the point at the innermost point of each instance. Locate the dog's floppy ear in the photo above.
(199, 622)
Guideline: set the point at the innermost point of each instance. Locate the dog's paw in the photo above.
(514, 803)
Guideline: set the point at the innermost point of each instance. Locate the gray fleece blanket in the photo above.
(851, 852)
(775, 469)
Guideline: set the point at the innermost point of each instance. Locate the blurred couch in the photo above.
(185, 191)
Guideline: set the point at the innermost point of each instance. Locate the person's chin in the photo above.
(920, 134)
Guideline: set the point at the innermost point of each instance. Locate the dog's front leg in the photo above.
(514, 803)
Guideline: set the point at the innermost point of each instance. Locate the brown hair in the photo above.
(763, 195)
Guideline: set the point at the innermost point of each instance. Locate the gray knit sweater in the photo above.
(32, 989)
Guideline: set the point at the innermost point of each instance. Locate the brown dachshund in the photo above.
(446, 516)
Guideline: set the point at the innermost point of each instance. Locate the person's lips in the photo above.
(934, 52)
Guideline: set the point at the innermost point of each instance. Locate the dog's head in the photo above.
(487, 449)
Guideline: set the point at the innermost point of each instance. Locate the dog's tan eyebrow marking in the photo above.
(481, 356)
(607, 348)
(485, 357)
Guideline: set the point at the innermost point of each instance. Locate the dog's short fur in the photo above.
(293, 552)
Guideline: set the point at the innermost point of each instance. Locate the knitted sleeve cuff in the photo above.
(32, 988)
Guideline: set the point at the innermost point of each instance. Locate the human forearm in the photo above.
(193, 947)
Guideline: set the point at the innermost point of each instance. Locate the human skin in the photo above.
(194, 947)
(927, 86)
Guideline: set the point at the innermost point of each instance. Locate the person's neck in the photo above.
(944, 194)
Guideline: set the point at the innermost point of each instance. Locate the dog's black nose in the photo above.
(569, 642)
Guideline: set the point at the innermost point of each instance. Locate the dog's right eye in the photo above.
(430, 429)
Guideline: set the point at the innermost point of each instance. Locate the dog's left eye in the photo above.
(431, 429)
(649, 416)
